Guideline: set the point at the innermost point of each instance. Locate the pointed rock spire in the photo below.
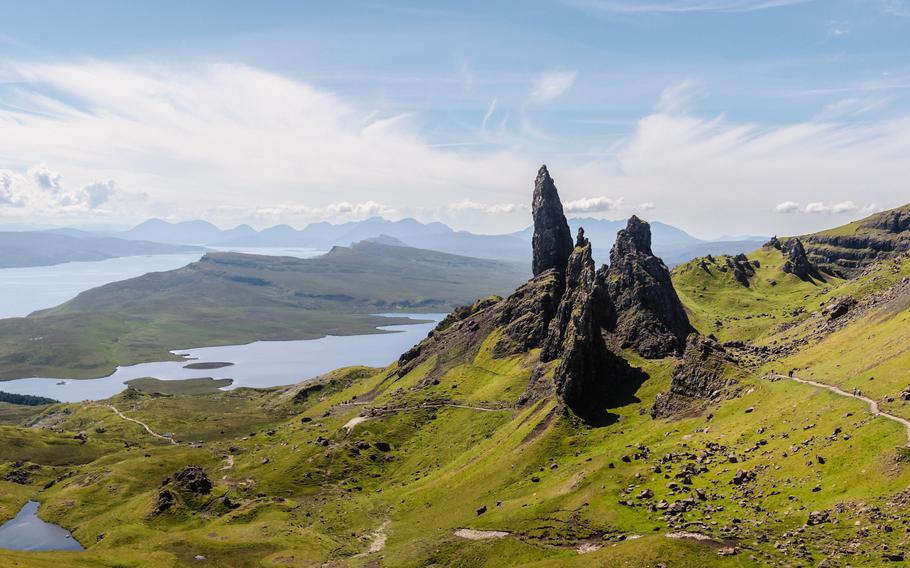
(648, 314)
(552, 242)
(797, 262)
(586, 367)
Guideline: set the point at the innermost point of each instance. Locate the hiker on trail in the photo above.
(790, 374)
(854, 392)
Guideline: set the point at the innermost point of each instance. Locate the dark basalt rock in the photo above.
(797, 262)
(879, 237)
(525, 315)
(773, 243)
(17, 476)
(696, 379)
(582, 377)
(839, 307)
(193, 479)
(648, 314)
(552, 242)
(742, 268)
(164, 501)
(894, 221)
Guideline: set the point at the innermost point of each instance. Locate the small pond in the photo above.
(28, 532)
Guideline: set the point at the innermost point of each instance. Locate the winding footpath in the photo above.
(873, 406)
(143, 424)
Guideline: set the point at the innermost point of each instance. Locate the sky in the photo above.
(722, 117)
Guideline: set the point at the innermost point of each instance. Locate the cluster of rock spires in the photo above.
(740, 266)
(580, 316)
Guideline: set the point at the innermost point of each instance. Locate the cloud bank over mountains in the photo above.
(233, 143)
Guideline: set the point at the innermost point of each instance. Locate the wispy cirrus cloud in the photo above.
(683, 6)
(899, 8)
(234, 143)
(552, 85)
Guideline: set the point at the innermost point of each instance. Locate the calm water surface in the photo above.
(24, 290)
(28, 532)
(259, 364)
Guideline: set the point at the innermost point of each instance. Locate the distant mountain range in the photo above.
(670, 243)
(44, 248)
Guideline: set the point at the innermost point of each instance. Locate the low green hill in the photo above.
(229, 298)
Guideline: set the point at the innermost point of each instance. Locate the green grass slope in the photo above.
(372, 469)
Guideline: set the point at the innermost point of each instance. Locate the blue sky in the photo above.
(720, 116)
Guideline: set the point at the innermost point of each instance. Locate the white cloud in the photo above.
(488, 115)
(844, 207)
(819, 207)
(677, 98)
(227, 137)
(488, 208)
(681, 6)
(240, 143)
(900, 8)
(41, 191)
(342, 210)
(838, 28)
(647, 206)
(592, 205)
(44, 177)
(552, 85)
(853, 106)
(787, 207)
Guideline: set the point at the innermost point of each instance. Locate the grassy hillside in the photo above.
(718, 304)
(229, 298)
(446, 463)
(371, 468)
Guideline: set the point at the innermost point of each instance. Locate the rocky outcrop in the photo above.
(893, 221)
(698, 378)
(579, 316)
(193, 479)
(797, 262)
(575, 338)
(773, 243)
(740, 267)
(525, 315)
(878, 237)
(552, 241)
(648, 314)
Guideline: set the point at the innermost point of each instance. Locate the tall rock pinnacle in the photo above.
(586, 368)
(552, 241)
(649, 316)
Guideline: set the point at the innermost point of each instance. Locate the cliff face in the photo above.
(552, 241)
(648, 314)
(878, 237)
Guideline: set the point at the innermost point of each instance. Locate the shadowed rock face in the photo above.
(552, 242)
(797, 262)
(697, 378)
(648, 314)
(574, 335)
